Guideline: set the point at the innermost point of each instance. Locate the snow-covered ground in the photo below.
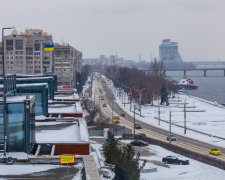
(29, 171)
(204, 116)
(154, 154)
(24, 169)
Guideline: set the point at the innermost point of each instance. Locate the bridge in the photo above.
(193, 69)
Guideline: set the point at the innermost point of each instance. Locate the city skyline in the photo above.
(126, 27)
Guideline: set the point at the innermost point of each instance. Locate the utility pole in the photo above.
(112, 109)
(91, 84)
(124, 98)
(158, 112)
(4, 120)
(94, 97)
(134, 120)
(178, 100)
(170, 125)
(140, 99)
(130, 99)
(121, 95)
(185, 127)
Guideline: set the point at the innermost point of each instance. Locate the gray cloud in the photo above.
(128, 27)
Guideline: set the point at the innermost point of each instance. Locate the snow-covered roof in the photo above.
(16, 99)
(33, 78)
(64, 108)
(75, 133)
(32, 84)
(64, 96)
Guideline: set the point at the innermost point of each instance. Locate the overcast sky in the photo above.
(128, 27)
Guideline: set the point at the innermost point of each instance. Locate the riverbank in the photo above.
(205, 120)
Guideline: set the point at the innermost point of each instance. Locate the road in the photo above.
(102, 88)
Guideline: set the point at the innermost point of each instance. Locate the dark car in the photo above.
(174, 160)
(138, 126)
(171, 137)
(141, 134)
(139, 143)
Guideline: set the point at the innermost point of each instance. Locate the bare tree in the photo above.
(94, 116)
(157, 67)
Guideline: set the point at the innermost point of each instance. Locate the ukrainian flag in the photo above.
(49, 47)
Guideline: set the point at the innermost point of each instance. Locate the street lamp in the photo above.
(3, 49)
(140, 95)
(131, 95)
(134, 121)
(140, 99)
(4, 86)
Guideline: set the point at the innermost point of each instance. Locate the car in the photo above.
(171, 137)
(139, 143)
(174, 160)
(103, 105)
(215, 151)
(102, 98)
(138, 126)
(141, 134)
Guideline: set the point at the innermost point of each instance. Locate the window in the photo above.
(37, 47)
(37, 53)
(29, 51)
(46, 62)
(16, 131)
(37, 71)
(29, 57)
(19, 44)
(9, 45)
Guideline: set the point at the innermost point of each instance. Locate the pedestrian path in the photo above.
(90, 168)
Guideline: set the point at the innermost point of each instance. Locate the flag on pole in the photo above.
(49, 47)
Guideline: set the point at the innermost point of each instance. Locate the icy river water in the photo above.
(209, 88)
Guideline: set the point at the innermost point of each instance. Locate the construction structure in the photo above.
(67, 63)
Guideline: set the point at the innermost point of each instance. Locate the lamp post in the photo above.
(130, 98)
(170, 126)
(131, 95)
(4, 87)
(134, 120)
(140, 95)
(140, 99)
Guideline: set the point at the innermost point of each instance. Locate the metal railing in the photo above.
(10, 83)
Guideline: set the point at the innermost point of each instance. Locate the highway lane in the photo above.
(149, 130)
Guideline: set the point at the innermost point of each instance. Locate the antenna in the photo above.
(140, 57)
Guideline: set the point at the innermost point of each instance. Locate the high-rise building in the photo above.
(67, 62)
(168, 51)
(24, 53)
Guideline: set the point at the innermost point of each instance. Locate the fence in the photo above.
(117, 130)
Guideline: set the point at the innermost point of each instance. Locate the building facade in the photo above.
(24, 53)
(168, 51)
(67, 62)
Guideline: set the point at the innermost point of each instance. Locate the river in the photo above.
(209, 88)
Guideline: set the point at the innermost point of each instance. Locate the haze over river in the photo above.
(209, 88)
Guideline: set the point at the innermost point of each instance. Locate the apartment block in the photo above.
(24, 53)
(67, 62)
